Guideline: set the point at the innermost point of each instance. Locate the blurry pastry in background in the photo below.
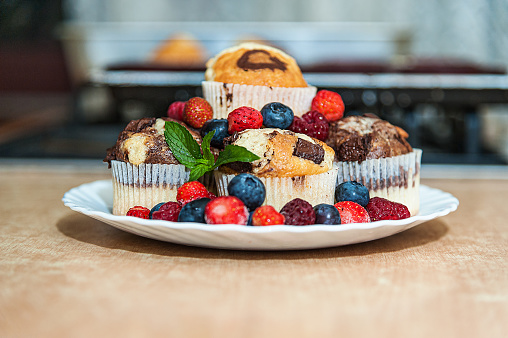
(180, 51)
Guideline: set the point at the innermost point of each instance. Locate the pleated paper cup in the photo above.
(394, 178)
(226, 97)
(145, 184)
(315, 189)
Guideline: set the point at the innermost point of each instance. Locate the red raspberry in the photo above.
(329, 104)
(244, 118)
(168, 212)
(191, 191)
(139, 212)
(298, 212)
(381, 209)
(312, 123)
(267, 215)
(196, 112)
(226, 210)
(175, 110)
(351, 212)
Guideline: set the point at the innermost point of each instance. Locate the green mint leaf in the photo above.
(234, 153)
(205, 146)
(183, 146)
(198, 171)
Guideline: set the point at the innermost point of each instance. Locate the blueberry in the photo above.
(221, 131)
(352, 191)
(277, 115)
(155, 208)
(249, 220)
(194, 211)
(326, 214)
(249, 189)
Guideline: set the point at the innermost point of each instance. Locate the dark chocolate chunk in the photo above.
(309, 151)
(245, 63)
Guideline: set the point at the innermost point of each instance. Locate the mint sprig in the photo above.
(200, 159)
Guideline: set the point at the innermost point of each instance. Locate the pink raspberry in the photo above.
(382, 209)
(168, 212)
(175, 110)
(312, 123)
(226, 210)
(298, 212)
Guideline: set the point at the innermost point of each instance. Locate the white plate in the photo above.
(96, 199)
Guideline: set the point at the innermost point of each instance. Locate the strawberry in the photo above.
(381, 209)
(226, 210)
(267, 215)
(244, 118)
(191, 191)
(139, 212)
(196, 112)
(175, 110)
(329, 104)
(351, 212)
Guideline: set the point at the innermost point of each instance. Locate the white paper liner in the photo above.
(314, 189)
(225, 97)
(145, 184)
(394, 178)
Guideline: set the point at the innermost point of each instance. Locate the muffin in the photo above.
(145, 171)
(180, 51)
(376, 153)
(291, 166)
(252, 75)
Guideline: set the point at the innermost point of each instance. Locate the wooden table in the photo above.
(63, 274)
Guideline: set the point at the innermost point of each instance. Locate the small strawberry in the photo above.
(383, 209)
(312, 123)
(244, 118)
(139, 212)
(191, 191)
(329, 104)
(267, 215)
(175, 110)
(196, 112)
(351, 212)
(226, 210)
(168, 212)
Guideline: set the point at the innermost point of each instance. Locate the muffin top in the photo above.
(255, 64)
(180, 50)
(360, 138)
(143, 141)
(282, 153)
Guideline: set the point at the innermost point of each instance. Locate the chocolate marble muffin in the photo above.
(252, 74)
(144, 170)
(291, 165)
(376, 153)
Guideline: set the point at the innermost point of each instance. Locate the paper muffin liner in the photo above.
(145, 184)
(225, 97)
(394, 178)
(314, 189)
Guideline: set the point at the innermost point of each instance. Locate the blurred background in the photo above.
(73, 72)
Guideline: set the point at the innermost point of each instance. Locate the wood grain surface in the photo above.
(63, 274)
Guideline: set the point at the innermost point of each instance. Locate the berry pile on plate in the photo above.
(244, 206)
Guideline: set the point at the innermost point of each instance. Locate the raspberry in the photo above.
(196, 112)
(191, 191)
(267, 215)
(139, 212)
(168, 212)
(312, 123)
(298, 212)
(175, 110)
(382, 209)
(351, 212)
(329, 104)
(244, 118)
(226, 210)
